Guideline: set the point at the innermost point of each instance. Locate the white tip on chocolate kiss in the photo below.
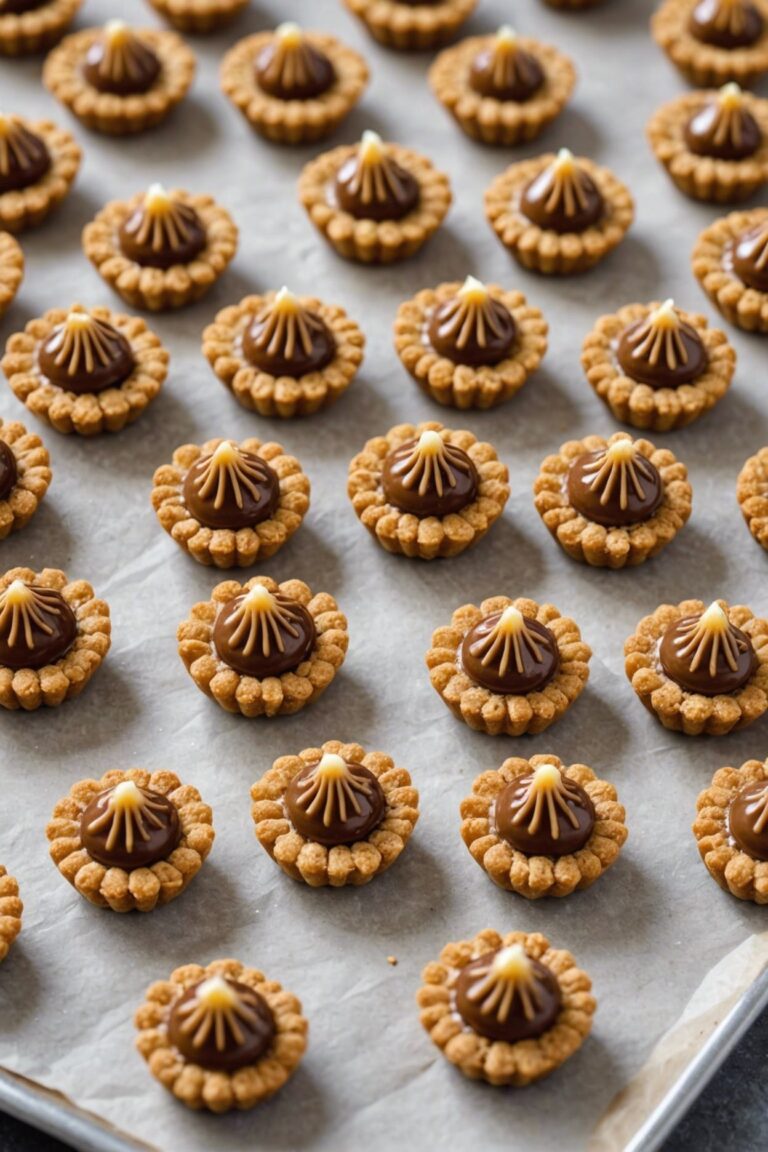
(216, 994)
(715, 618)
(473, 288)
(259, 599)
(731, 95)
(18, 592)
(289, 32)
(331, 767)
(512, 963)
(371, 146)
(564, 159)
(507, 35)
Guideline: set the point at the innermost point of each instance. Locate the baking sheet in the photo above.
(652, 929)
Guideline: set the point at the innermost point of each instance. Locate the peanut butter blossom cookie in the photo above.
(25, 474)
(657, 367)
(752, 494)
(54, 634)
(284, 355)
(292, 86)
(132, 840)
(11, 909)
(374, 202)
(230, 504)
(508, 666)
(730, 261)
(613, 503)
(699, 669)
(412, 24)
(541, 829)
(503, 89)
(30, 26)
(38, 166)
(262, 648)
(506, 1009)
(558, 214)
(11, 270)
(120, 80)
(334, 815)
(424, 490)
(85, 371)
(199, 16)
(220, 1037)
(470, 345)
(731, 830)
(713, 41)
(714, 145)
(161, 249)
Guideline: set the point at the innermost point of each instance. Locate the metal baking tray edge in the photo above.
(57, 1116)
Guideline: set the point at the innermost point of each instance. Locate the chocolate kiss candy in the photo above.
(261, 634)
(162, 231)
(230, 488)
(429, 477)
(750, 257)
(221, 1025)
(615, 486)
(24, 156)
(724, 128)
(563, 198)
(726, 23)
(370, 185)
(510, 654)
(505, 71)
(37, 626)
(120, 63)
(707, 654)
(748, 819)
(334, 802)
(84, 355)
(508, 996)
(287, 339)
(543, 813)
(129, 827)
(291, 68)
(663, 350)
(471, 327)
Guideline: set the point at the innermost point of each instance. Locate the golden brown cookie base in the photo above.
(431, 536)
(227, 547)
(702, 177)
(199, 16)
(593, 543)
(733, 869)
(11, 270)
(412, 28)
(655, 409)
(369, 241)
(32, 479)
(313, 863)
(543, 250)
(29, 206)
(501, 122)
(495, 714)
(712, 261)
(106, 112)
(220, 1091)
(274, 695)
(752, 495)
(689, 712)
(88, 413)
(284, 396)
(293, 121)
(11, 909)
(462, 385)
(33, 688)
(496, 1061)
(140, 889)
(536, 876)
(27, 33)
(160, 289)
(704, 64)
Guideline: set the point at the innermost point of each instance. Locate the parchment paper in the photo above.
(651, 929)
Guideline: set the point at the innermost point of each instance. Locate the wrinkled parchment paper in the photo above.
(650, 930)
